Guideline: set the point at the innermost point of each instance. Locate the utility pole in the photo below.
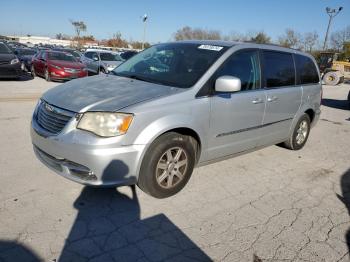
(144, 20)
(331, 13)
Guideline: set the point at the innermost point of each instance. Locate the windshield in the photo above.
(110, 57)
(26, 52)
(175, 64)
(61, 57)
(4, 49)
(74, 53)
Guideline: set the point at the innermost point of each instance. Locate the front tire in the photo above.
(168, 165)
(32, 71)
(47, 75)
(300, 134)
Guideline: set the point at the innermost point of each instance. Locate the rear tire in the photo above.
(332, 78)
(102, 71)
(167, 165)
(300, 134)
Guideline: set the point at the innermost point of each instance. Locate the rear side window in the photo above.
(306, 70)
(278, 69)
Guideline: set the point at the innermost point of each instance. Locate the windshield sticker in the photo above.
(210, 47)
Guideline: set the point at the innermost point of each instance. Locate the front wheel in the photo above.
(47, 75)
(32, 71)
(168, 165)
(300, 134)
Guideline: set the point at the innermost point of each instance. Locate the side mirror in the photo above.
(95, 58)
(227, 84)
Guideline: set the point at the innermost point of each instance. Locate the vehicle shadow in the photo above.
(22, 78)
(108, 227)
(345, 198)
(12, 251)
(338, 104)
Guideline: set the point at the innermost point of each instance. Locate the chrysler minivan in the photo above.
(173, 107)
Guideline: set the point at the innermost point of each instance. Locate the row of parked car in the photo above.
(57, 63)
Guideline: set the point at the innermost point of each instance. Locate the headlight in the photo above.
(57, 67)
(105, 124)
(14, 61)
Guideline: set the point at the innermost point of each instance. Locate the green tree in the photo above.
(261, 38)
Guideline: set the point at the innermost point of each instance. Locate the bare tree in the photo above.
(290, 39)
(79, 26)
(310, 40)
(339, 38)
(196, 33)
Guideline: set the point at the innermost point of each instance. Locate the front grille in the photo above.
(5, 62)
(71, 70)
(51, 118)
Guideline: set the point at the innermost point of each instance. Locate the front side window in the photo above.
(88, 55)
(278, 69)
(245, 66)
(174, 64)
(4, 49)
(306, 70)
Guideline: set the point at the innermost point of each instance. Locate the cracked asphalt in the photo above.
(270, 205)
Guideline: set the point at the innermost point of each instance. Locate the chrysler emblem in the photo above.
(49, 108)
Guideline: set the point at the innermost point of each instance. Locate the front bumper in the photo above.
(56, 74)
(87, 159)
(10, 71)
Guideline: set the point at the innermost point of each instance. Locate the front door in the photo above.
(236, 117)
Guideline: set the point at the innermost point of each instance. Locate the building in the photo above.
(39, 40)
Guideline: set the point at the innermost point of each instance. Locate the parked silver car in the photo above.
(175, 106)
(101, 61)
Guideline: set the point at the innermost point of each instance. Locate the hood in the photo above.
(6, 57)
(104, 93)
(26, 57)
(115, 63)
(75, 65)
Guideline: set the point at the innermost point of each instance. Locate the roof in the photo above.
(248, 44)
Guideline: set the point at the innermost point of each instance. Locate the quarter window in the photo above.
(278, 69)
(245, 66)
(306, 70)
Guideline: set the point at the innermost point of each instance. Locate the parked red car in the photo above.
(55, 65)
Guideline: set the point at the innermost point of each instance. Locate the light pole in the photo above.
(331, 13)
(144, 20)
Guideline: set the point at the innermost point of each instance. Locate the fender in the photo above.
(165, 124)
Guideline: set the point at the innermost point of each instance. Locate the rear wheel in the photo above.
(103, 71)
(332, 78)
(168, 165)
(300, 134)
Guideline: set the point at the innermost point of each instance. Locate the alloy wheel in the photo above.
(302, 132)
(171, 167)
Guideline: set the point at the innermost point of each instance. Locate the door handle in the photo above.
(257, 101)
(271, 99)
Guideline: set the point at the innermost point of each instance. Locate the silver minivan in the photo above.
(173, 107)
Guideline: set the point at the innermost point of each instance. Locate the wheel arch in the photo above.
(148, 138)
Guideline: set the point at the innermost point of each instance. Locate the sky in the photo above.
(105, 17)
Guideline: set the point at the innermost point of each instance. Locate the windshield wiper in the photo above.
(137, 77)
